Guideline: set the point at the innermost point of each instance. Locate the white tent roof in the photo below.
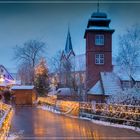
(22, 87)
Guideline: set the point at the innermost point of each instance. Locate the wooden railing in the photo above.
(65, 107)
(126, 114)
(116, 113)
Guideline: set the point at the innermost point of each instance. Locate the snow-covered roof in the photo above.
(123, 74)
(4, 72)
(99, 28)
(22, 87)
(111, 83)
(136, 77)
(100, 18)
(97, 89)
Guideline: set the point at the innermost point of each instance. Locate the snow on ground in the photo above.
(44, 107)
(12, 137)
(16, 135)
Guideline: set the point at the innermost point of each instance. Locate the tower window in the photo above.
(99, 40)
(99, 59)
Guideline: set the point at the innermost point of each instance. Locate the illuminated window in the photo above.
(99, 59)
(99, 40)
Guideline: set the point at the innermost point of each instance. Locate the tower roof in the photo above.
(99, 22)
(98, 19)
(99, 15)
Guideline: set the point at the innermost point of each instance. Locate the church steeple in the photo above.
(68, 47)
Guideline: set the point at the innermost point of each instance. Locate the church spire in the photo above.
(68, 46)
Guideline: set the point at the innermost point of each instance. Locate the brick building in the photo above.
(103, 77)
(98, 37)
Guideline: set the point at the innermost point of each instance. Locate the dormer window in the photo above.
(99, 40)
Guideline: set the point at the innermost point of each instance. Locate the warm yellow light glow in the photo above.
(7, 121)
(1, 78)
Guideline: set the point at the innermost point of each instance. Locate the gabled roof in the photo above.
(97, 89)
(6, 78)
(108, 84)
(9, 75)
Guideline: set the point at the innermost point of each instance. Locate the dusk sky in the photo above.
(48, 22)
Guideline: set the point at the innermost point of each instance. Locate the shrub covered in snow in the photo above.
(128, 97)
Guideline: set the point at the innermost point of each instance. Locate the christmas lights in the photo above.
(6, 121)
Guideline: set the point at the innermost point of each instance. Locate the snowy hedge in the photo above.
(127, 97)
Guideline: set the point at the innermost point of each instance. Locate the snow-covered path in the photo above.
(35, 123)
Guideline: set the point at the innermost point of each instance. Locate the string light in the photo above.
(7, 121)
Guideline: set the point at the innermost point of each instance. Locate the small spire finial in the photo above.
(98, 7)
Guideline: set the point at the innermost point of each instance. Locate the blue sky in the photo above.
(49, 23)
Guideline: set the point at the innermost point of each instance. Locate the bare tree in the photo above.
(80, 80)
(28, 56)
(25, 73)
(64, 68)
(55, 62)
(68, 72)
(129, 49)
